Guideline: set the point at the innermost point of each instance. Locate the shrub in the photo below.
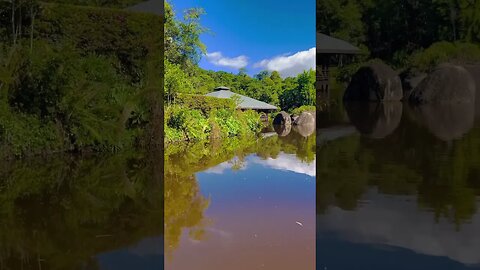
(204, 103)
(441, 52)
(304, 108)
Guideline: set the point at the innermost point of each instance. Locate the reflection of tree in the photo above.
(410, 161)
(184, 208)
(61, 212)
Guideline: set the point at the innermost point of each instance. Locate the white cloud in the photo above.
(290, 65)
(218, 59)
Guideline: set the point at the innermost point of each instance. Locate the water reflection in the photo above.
(235, 204)
(71, 212)
(407, 199)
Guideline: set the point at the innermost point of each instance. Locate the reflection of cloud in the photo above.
(398, 222)
(227, 165)
(288, 162)
(220, 168)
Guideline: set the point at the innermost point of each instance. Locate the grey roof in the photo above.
(327, 44)
(151, 6)
(245, 102)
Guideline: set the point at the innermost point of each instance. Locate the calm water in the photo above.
(246, 204)
(82, 213)
(398, 188)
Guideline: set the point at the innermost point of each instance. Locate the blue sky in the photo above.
(256, 34)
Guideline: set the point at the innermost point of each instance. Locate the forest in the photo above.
(78, 76)
(406, 34)
(183, 76)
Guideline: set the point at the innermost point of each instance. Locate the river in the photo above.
(241, 204)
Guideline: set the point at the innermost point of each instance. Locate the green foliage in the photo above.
(193, 124)
(441, 52)
(190, 122)
(304, 108)
(204, 103)
(86, 77)
(393, 29)
(303, 94)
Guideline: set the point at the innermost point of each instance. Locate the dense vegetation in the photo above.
(411, 34)
(77, 78)
(183, 50)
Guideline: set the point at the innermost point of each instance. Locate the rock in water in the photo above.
(282, 118)
(447, 83)
(447, 121)
(374, 82)
(305, 118)
(375, 120)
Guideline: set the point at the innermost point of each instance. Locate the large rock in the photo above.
(282, 130)
(305, 118)
(375, 120)
(282, 118)
(447, 83)
(374, 82)
(305, 130)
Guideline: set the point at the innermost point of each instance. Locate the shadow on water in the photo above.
(66, 212)
(404, 188)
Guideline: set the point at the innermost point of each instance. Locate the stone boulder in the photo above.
(305, 118)
(374, 82)
(305, 130)
(447, 83)
(282, 130)
(282, 118)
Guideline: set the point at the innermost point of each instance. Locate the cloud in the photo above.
(218, 59)
(290, 65)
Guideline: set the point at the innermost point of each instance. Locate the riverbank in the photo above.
(197, 117)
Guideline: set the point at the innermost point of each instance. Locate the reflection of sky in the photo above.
(398, 223)
(284, 162)
(252, 219)
(288, 162)
(147, 254)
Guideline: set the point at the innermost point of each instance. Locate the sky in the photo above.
(256, 34)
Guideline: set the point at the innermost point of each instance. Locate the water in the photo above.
(90, 212)
(399, 187)
(241, 204)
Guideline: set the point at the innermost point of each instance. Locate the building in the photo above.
(330, 51)
(245, 103)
